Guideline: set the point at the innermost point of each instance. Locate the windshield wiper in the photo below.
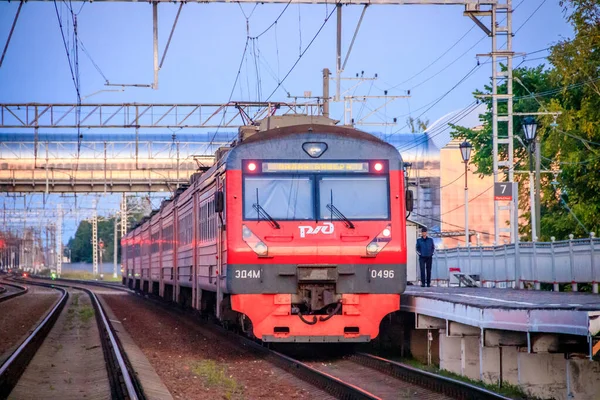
(338, 214)
(264, 214)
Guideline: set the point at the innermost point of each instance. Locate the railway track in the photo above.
(403, 381)
(360, 376)
(123, 384)
(9, 290)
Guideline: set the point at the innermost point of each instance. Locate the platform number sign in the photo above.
(503, 191)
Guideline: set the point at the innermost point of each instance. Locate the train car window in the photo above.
(355, 197)
(167, 241)
(283, 198)
(154, 246)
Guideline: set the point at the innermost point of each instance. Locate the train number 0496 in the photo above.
(382, 273)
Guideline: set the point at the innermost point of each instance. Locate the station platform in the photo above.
(507, 309)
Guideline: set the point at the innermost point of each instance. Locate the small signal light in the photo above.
(252, 167)
(378, 167)
(386, 232)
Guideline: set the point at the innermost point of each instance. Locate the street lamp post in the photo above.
(530, 130)
(465, 151)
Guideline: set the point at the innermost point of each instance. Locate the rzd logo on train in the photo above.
(326, 229)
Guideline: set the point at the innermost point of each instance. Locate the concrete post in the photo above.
(536, 282)
(593, 264)
(556, 287)
(572, 264)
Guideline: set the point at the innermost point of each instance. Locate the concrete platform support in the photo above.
(583, 380)
(489, 366)
(510, 365)
(450, 353)
(543, 375)
(469, 349)
(460, 355)
(424, 344)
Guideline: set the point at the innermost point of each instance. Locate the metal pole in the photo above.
(338, 64)
(495, 119)
(354, 37)
(115, 233)
(155, 32)
(95, 240)
(12, 29)
(538, 177)
(467, 237)
(60, 244)
(162, 60)
(123, 215)
(326, 74)
(532, 195)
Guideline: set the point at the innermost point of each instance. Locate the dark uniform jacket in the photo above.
(425, 247)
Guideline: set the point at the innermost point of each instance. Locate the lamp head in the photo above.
(529, 128)
(465, 151)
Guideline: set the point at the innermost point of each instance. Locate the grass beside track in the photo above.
(216, 375)
(83, 276)
(507, 389)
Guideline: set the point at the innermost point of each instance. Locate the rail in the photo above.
(12, 369)
(337, 387)
(7, 296)
(132, 390)
(123, 383)
(438, 383)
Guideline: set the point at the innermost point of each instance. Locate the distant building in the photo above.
(421, 151)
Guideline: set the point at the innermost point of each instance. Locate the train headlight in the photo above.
(373, 248)
(261, 249)
(380, 241)
(314, 149)
(257, 245)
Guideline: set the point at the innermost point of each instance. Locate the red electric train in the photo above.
(297, 234)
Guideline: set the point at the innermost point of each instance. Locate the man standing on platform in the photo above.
(425, 250)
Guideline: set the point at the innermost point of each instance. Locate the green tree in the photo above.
(575, 144)
(81, 243)
(526, 81)
(571, 143)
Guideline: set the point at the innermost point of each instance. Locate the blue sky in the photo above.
(396, 42)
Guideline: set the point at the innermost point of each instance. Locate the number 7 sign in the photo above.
(503, 191)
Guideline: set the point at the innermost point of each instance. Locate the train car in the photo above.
(296, 234)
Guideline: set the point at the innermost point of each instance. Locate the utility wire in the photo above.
(474, 198)
(467, 75)
(274, 23)
(237, 76)
(302, 54)
(85, 51)
(530, 16)
(436, 60)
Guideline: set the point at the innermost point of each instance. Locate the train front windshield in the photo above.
(316, 197)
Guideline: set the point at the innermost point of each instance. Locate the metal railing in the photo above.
(570, 261)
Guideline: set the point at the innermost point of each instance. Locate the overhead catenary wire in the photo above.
(435, 102)
(302, 53)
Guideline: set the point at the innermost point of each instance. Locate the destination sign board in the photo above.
(315, 167)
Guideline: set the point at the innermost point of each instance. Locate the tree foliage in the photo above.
(81, 244)
(569, 85)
